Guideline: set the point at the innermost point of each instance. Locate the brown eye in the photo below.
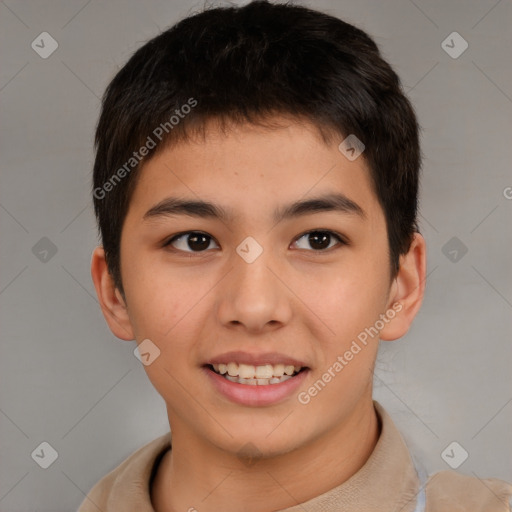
(319, 240)
(191, 241)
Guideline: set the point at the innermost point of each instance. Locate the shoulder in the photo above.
(127, 487)
(449, 491)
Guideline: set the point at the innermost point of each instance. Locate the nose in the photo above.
(253, 298)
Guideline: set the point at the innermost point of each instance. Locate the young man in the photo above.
(255, 185)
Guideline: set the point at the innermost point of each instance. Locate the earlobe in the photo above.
(111, 302)
(407, 290)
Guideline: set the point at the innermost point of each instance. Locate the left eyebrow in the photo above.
(204, 209)
(326, 203)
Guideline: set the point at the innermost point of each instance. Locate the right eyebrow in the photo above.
(174, 206)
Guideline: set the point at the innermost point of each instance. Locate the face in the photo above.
(282, 271)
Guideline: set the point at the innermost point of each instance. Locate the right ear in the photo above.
(111, 301)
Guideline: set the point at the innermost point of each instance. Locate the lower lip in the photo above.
(245, 394)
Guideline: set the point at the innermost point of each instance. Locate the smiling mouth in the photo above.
(256, 375)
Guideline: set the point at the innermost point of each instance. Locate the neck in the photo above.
(197, 474)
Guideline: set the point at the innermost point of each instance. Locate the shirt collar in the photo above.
(387, 482)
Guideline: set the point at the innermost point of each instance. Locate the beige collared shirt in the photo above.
(388, 482)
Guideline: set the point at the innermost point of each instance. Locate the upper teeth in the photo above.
(248, 371)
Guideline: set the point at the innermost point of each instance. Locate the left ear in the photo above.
(407, 290)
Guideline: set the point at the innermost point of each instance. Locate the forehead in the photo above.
(249, 169)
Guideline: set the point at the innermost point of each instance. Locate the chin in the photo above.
(260, 445)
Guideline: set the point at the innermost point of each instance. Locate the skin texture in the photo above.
(302, 302)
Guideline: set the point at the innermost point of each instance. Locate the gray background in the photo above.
(66, 380)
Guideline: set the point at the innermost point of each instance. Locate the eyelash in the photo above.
(340, 238)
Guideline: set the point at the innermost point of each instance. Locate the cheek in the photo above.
(353, 299)
(159, 314)
(350, 306)
(156, 299)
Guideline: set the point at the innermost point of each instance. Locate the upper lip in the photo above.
(255, 359)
